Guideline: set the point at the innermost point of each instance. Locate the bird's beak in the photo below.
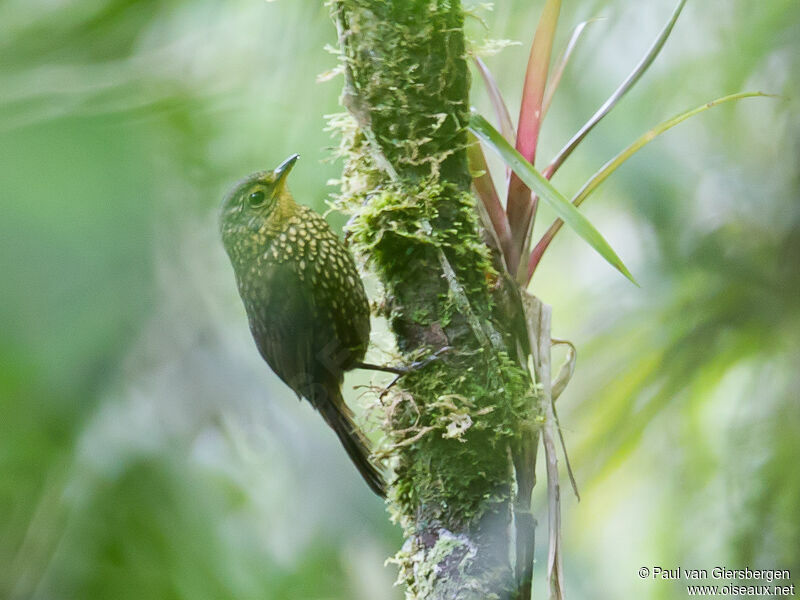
(283, 170)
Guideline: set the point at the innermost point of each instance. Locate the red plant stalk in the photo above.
(521, 205)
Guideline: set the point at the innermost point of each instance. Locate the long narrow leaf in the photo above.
(499, 105)
(561, 64)
(612, 165)
(612, 101)
(530, 112)
(535, 181)
(487, 193)
(521, 207)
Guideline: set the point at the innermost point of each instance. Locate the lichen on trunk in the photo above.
(406, 184)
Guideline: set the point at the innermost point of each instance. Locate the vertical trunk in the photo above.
(407, 185)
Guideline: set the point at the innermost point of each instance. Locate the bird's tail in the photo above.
(340, 418)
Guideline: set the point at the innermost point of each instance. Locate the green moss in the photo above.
(396, 224)
(462, 425)
(415, 100)
(406, 185)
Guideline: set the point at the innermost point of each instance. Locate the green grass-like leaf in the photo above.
(614, 99)
(561, 64)
(612, 165)
(545, 190)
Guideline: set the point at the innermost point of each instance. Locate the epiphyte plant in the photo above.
(510, 226)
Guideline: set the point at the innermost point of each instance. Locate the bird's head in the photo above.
(257, 198)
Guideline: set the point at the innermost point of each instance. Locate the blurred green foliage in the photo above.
(145, 450)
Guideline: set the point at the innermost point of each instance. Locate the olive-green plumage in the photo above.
(304, 299)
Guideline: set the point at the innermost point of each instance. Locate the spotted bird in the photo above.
(304, 299)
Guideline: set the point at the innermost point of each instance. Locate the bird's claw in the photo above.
(399, 372)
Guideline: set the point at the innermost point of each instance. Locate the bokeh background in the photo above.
(147, 452)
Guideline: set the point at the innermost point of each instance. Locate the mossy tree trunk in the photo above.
(407, 184)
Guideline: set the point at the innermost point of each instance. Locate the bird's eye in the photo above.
(256, 198)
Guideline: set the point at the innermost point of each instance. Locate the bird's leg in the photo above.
(399, 371)
(406, 369)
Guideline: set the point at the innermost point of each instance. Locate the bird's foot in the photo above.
(405, 369)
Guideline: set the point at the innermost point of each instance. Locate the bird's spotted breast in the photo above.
(305, 302)
(307, 246)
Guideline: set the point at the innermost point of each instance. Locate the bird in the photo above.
(305, 302)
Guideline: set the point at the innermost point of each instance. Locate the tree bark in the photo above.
(406, 184)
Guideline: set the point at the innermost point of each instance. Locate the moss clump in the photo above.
(403, 228)
(406, 184)
(450, 434)
(408, 82)
(396, 227)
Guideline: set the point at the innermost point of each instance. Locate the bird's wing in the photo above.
(342, 303)
(283, 328)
